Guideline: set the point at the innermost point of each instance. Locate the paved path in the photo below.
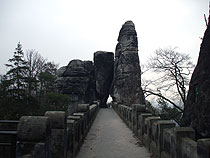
(109, 137)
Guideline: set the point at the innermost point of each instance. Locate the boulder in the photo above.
(126, 86)
(104, 68)
(77, 80)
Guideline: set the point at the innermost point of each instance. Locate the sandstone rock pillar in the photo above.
(126, 86)
(103, 67)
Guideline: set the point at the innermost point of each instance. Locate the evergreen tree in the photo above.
(168, 112)
(16, 76)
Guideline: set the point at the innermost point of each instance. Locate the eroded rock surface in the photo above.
(126, 86)
(77, 80)
(104, 68)
(197, 108)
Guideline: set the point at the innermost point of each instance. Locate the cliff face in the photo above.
(197, 108)
(126, 86)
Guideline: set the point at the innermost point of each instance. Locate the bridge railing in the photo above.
(54, 135)
(8, 133)
(163, 138)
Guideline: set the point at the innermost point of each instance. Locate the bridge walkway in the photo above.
(109, 137)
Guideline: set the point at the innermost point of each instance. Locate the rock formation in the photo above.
(197, 108)
(77, 81)
(103, 67)
(126, 86)
(121, 77)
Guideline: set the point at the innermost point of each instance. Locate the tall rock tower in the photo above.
(197, 108)
(126, 86)
(103, 67)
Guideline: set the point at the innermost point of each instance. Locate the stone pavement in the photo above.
(109, 137)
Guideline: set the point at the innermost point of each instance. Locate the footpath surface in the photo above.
(109, 137)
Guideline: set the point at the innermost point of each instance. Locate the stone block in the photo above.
(83, 107)
(188, 148)
(161, 125)
(76, 118)
(137, 109)
(84, 124)
(33, 128)
(57, 119)
(59, 135)
(73, 136)
(58, 143)
(148, 124)
(145, 140)
(71, 141)
(33, 136)
(203, 148)
(140, 107)
(178, 134)
(154, 149)
(141, 122)
(39, 151)
(167, 134)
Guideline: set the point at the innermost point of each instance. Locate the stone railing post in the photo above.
(59, 135)
(161, 125)
(141, 122)
(157, 135)
(203, 148)
(188, 148)
(177, 135)
(75, 129)
(33, 137)
(83, 112)
(71, 141)
(137, 109)
(147, 138)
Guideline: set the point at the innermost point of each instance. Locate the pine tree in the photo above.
(16, 76)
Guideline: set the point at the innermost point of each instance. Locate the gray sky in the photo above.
(62, 30)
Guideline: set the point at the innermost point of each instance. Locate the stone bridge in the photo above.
(68, 134)
(56, 135)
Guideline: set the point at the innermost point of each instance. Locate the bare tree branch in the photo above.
(173, 70)
(161, 96)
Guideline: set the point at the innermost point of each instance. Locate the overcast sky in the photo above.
(62, 30)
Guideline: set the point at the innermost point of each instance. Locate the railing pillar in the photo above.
(203, 148)
(59, 136)
(33, 137)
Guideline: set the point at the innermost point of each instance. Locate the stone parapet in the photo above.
(54, 135)
(163, 138)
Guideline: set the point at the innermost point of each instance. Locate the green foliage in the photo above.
(16, 76)
(168, 112)
(54, 101)
(27, 87)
